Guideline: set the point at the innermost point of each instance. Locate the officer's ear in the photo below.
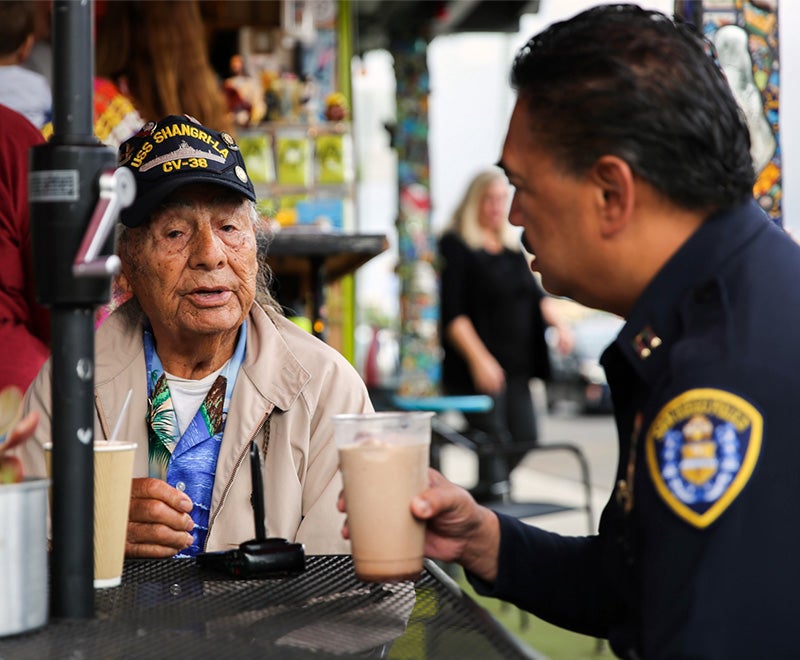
(615, 185)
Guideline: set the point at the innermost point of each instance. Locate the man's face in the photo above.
(552, 208)
(193, 265)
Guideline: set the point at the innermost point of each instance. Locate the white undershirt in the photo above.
(188, 394)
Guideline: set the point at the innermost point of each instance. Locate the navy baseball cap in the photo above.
(173, 152)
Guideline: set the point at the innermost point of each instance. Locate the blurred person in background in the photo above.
(115, 117)
(21, 89)
(157, 54)
(211, 361)
(633, 179)
(24, 324)
(41, 55)
(139, 80)
(493, 319)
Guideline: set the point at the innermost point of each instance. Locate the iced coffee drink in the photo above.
(384, 463)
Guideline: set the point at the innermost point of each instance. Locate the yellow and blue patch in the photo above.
(701, 450)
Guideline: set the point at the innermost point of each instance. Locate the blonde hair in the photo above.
(159, 51)
(465, 221)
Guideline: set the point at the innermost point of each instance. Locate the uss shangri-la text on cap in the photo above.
(173, 152)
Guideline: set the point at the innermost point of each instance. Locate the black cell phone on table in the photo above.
(261, 556)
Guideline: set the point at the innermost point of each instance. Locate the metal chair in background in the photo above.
(482, 445)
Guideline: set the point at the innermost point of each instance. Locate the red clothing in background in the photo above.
(24, 325)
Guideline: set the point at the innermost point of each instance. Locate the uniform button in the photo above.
(180, 486)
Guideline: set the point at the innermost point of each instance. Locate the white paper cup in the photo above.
(23, 556)
(113, 474)
(384, 463)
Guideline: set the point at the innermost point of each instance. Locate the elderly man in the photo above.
(210, 368)
(633, 182)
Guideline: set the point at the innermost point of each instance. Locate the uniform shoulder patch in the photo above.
(701, 450)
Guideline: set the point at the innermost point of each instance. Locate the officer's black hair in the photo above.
(619, 80)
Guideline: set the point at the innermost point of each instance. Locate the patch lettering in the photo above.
(177, 157)
(701, 450)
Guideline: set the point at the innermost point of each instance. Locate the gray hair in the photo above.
(264, 237)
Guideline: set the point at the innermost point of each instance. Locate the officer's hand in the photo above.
(159, 522)
(458, 529)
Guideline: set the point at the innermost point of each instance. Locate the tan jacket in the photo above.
(289, 387)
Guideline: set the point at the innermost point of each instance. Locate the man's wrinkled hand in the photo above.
(159, 523)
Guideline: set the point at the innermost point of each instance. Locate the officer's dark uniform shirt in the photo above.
(697, 552)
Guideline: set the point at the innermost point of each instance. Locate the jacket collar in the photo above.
(120, 353)
(654, 323)
(285, 377)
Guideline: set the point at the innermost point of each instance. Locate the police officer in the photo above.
(633, 183)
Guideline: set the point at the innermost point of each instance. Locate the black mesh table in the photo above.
(174, 609)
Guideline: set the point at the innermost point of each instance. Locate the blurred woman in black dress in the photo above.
(493, 318)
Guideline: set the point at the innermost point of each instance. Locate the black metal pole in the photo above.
(72, 560)
(73, 72)
(63, 186)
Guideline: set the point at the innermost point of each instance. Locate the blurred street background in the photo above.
(555, 476)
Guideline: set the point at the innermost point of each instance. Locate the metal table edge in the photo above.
(451, 585)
